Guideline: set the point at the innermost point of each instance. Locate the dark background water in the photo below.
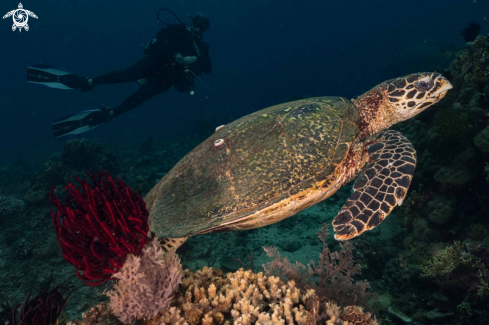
(263, 53)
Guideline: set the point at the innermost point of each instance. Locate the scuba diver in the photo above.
(173, 58)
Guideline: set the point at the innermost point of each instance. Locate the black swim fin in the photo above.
(50, 77)
(72, 125)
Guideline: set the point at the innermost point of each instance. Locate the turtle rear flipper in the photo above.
(171, 243)
(382, 185)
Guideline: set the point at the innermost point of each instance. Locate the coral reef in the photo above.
(450, 123)
(98, 225)
(481, 141)
(410, 211)
(472, 62)
(422, 275)
(331, 278)
(110, 240)
(440, 209)
(78, 156)
(6, 311)
(242, 297)
(460, 267)
(148, 162)
(145, 283)
(81, 154)
(486, 172)
(433, 280)
(30, 255)
(147, 146)
(10, 206)
(44, 308)
(445, 261)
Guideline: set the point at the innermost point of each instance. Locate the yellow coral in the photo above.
(483, 287)
(173, 317)
(445, 261)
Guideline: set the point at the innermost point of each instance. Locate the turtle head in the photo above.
(413, 93)
(399, 99)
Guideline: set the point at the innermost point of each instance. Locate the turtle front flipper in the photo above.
(382, 185)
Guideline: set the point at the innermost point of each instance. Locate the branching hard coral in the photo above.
(331, 278)
(246, 297)
(243, 296)
(145, 284)
(356, 315)
(98, 225)
(43, 309)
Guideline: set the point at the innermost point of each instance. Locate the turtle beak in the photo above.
(442, 85)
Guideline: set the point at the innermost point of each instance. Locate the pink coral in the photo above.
(146, 283)
(331, 277)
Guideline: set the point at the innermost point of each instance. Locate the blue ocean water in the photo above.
(263, 52)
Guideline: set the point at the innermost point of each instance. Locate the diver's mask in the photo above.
(200, 23)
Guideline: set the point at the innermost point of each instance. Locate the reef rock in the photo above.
(481, 140)
(453, 176)
(396, 313)
(460, 172)
(441, 211)
(422, 232)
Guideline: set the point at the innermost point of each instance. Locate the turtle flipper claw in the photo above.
(380, 187)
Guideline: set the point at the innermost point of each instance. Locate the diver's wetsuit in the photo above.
(160, 68)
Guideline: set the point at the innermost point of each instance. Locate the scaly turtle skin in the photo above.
(271, 164)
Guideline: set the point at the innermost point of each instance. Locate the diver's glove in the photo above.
(188, 60)
(101, 116)
(76, 82)
(185, 60)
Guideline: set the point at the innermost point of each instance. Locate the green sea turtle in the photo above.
(271, 164)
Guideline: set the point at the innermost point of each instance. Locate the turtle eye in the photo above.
(424, 84)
